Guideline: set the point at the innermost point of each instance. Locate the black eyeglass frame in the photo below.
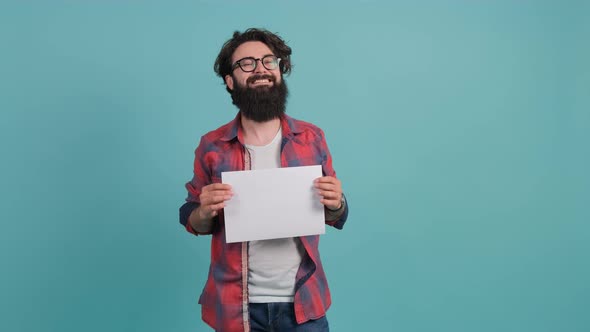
(238, 64)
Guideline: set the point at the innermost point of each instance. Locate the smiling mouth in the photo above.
(261, 80)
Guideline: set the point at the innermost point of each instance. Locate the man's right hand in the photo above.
(213, 199)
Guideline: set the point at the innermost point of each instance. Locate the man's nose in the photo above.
(259, 67)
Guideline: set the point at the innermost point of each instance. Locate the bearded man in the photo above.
(267, 285)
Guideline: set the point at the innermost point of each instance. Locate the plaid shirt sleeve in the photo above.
(201, 178)
(328, 170)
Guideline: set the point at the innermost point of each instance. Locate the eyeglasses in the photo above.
(248, 64)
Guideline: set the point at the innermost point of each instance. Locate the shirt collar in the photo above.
(289, 127)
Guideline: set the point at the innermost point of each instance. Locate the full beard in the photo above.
(261, 104)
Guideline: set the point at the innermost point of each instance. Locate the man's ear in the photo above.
(229, 81)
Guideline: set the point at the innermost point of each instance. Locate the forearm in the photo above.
(333, 215)
(199, 224)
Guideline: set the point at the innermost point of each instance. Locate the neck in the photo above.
(259, 133)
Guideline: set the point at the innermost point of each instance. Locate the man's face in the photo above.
(259, 92)
(260, 77)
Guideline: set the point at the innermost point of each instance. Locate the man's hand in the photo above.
(330, 190)
(213, 199)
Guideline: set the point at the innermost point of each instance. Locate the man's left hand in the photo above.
(330, 190)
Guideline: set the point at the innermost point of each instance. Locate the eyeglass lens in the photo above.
(269, 62)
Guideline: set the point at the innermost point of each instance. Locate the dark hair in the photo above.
(277, 45)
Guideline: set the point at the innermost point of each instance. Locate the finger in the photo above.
(329, 201)
(217, 186)
(217, 207)
(327, 186)
(330, 195)
(212, 210)
(327, 179)
(332, 204)
(216, 198)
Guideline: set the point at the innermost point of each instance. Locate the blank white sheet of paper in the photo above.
(273, 203)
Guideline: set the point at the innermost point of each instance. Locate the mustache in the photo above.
(253, 78)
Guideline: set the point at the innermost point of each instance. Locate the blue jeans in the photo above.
(280, 317)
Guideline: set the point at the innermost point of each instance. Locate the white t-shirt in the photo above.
(272, 264)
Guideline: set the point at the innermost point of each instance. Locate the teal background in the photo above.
(460, 131)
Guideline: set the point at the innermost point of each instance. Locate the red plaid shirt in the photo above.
(224, 301)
